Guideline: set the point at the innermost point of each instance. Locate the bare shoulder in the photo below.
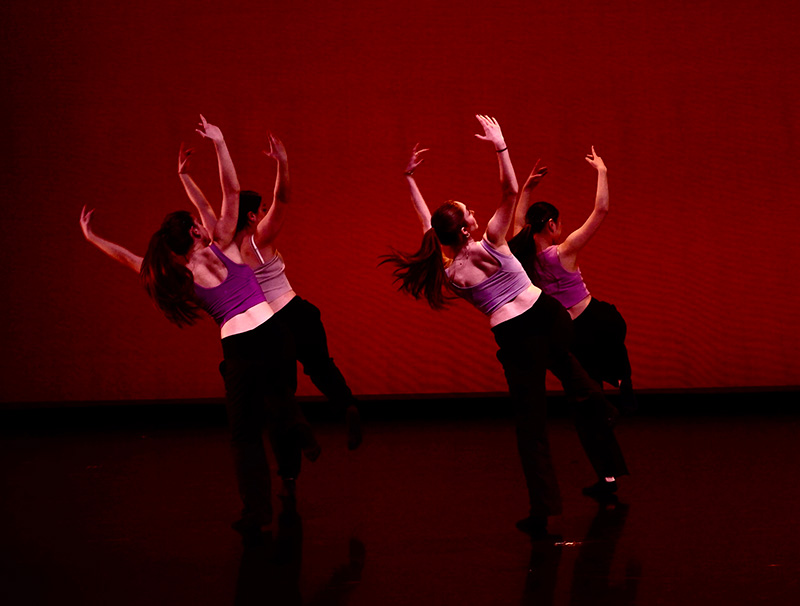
(568, 257)
(231, 251)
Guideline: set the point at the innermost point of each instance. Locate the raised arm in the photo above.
(113, 250)
(270, 226)
(500, 222)
(225, 228)
(569, 249)
(421, 208)
(524, 202)
(207, 214)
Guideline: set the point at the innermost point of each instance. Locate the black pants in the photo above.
(530, 344)
(311, 347)
(260, 380)
(600, 343)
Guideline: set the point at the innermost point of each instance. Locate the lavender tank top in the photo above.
(504, 285)
(565, 286)
(271, 275)
(237, 293)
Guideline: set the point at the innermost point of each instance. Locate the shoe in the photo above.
(288, 494)
(308, 443)
(602, 491)
(253, 532)
(536, 528)
(353, 422)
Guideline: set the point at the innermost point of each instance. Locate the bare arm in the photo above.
(524, 202)
(569, 249)
(270, 226)
(113, 250)
(500, 222)
(201, 203)
(225, 228)
(421, 208)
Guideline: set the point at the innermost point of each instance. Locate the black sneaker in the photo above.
(602, 491)
(253, 532)
(536, 528)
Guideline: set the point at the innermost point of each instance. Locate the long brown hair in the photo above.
(422, 274)
(170, 284)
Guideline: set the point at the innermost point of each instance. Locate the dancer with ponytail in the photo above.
(552, 265)
(531, 329)
(188, 269)
(257, 228)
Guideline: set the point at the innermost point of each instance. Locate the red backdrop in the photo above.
(693, 106)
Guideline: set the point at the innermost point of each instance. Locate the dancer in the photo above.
(187, 269)
(531, 329)
(552, 266)
(258, 226)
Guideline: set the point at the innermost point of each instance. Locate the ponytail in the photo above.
(523, 245)
(422, 274)
(170, 284)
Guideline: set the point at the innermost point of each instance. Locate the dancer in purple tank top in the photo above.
(257, 229)
(552, 264)
(188, 268)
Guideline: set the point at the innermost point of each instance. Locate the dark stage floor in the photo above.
(423, 513)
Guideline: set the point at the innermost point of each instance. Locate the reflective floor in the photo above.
(423, 513)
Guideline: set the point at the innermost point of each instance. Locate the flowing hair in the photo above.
(421, 274)
(170, 284)
(523, 245)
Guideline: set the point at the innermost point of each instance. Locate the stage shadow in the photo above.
(591, 574)
(269, 572)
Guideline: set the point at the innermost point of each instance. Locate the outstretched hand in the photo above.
(414, 161)
(595, 160)
(86, 222)
(491, 131)
(209, 131)
(537, 174)
(276, 149)
(184, 157)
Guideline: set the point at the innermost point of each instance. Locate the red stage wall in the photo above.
(693, 106)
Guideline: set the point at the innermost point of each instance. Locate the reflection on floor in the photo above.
(423, 513)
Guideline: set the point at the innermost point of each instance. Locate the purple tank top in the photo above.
(565, 286)
(504, 285)
(237, 293)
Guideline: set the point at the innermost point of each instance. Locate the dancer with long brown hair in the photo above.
(257, 229)
(531, 329)
(188, 269)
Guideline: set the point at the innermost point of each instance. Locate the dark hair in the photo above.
(170, 284)
(523, 244)
(249, 201)
(422, 273)
(539, 214)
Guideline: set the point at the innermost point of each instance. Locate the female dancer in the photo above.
(532, 330)
(599, 328)
(186, 269)
(257, 228)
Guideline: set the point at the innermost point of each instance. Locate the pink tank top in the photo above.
(237, 293)
(504, 285)
(565, 286)
(271, 275)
